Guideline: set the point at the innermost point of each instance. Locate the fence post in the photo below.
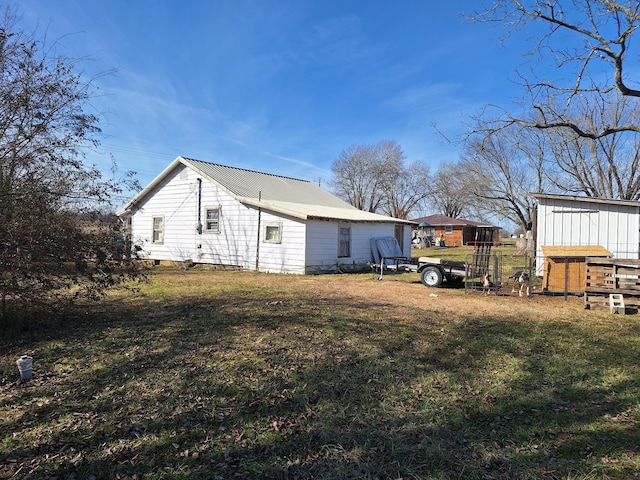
(566, 278)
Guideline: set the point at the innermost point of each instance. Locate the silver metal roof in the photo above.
(602, 201)
(288, 196)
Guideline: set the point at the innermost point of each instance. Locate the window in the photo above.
(448, 229)
(273, 233)
(158, 230)
(344, 241)
(213, 220)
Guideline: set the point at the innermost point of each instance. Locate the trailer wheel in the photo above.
(431, 277)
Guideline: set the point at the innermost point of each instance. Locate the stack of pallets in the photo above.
(611, 276)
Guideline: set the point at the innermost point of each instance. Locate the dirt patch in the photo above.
(455, 301)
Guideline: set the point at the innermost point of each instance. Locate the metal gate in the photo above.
(481, 264)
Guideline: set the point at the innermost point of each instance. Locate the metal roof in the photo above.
(602, 201)
(289, 196)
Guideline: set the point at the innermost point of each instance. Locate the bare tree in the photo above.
(502, 169)
(606, 166)
(52, 241)
(450, 193)
(589, 41)
(374, 178)
(361, 171)
(406, 190)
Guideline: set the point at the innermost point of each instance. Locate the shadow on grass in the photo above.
(239, 385)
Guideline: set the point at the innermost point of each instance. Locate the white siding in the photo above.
(236, 240)
(175, 199)
(361, 234)
(288, 256)
(405, 245)
(322, 244)
(305, 246)
(568, 222)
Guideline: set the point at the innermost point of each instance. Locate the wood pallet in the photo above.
(607, 276)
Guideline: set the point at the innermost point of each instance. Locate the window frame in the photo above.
(448, 229)
(160, 230)
(206, 219)
(269, 225)
(341, 246)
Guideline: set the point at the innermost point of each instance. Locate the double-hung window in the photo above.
(158, 230)
(213, 220)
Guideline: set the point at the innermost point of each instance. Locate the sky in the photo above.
(278, 86)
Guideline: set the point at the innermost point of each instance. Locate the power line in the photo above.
(135, 151)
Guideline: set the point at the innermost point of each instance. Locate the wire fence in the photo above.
(552, 270)
(496, 272)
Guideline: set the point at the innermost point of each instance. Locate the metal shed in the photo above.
(564, 267)
(564, 220)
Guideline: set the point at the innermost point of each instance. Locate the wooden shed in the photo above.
(564, 267)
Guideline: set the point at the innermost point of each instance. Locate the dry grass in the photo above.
(210, 374)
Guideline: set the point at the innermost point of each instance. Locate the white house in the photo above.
(579, 221)
(215, 214)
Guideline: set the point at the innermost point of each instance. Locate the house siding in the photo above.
(235, 243)
(182, 196)
(174, 200)
(287, 256)
(322, 245)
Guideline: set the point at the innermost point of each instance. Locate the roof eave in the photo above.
(354, 220)
(292, 213)
(260, 204)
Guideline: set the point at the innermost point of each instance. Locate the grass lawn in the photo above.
(226, 375)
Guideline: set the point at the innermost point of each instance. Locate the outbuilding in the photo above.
(201, 212)
(565, 267)
(569, 221)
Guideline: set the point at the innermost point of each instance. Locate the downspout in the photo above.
(258, 237)
(199, 222)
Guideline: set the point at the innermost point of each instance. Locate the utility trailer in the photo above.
(434, 270)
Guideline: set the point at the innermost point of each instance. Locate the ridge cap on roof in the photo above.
(189, 159)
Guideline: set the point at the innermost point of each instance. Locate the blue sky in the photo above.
(280, 86)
